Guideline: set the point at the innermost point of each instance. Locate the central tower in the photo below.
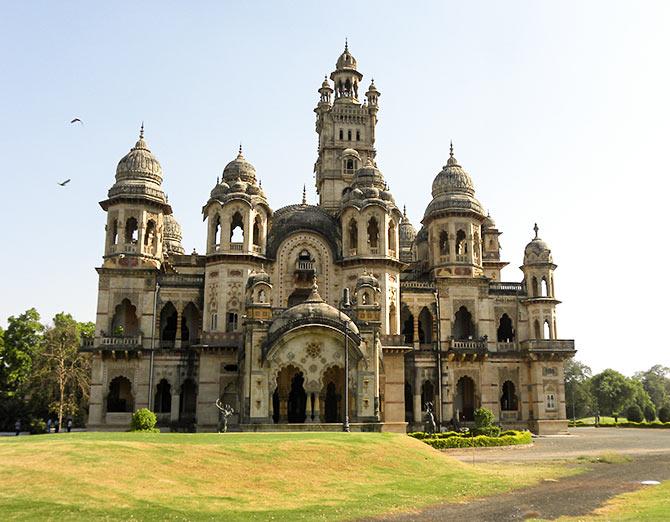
(346, 129)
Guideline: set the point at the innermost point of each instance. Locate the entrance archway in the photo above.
(289, 400)
(120, 397)
(333, 394)
(465, 398)
(508, 399)
(297, 399)
(187, 401)
(163, 397)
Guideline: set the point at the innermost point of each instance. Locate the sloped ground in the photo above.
(249, 476)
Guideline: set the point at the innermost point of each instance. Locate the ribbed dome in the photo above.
(139, 174)
(453, 190)
(256, 277)
(239, 168)
(537, 251)
(367, 279)
(172, 236)
(369, 176)
(346, 60)
(406, 230)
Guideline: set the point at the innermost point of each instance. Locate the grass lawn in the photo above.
(591, 420)
(239, 476)
(648, 503)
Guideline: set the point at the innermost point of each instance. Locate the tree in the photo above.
(612, 392)
(656, 382)
(640, 396)
(650, 413)
(579, 399)
(634, 413)
(664, 413)
(63, 367)
(20, 343)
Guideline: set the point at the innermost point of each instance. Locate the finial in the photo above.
(304, 194)
(536, 229)
(142, 131)
(217, 180)
(451, 148)
(346, 45)
(404, 211)
(260, 183)
(240, 150)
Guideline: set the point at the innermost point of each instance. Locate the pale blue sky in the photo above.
(560, 111)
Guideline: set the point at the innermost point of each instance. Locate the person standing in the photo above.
(49, 425)
(69, 425)
(17, 426)
(56, 426)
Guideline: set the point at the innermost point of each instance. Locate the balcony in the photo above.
(461, 258)
(475, 345)
(104, 342)
(394, 340)
(500, 288)
(256, 249)
(444, 259)
(374, 251)
(304, 266)
(506, 347)
(236, 247)
(548, 345)
(391, 253)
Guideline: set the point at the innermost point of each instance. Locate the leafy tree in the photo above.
(21, 341)
(640, 395)
(578, 389)
(612, 392)
(656, 382)
(650, 413)
(62, 371)
(634, 413)
(664, 413)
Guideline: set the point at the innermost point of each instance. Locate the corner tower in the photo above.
(346, 129)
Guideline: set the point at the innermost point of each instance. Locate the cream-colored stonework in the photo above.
(260, 320)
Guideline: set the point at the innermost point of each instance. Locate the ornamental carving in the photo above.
(313, 350)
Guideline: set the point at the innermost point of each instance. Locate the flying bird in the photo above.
(62, 184)
(77, 120)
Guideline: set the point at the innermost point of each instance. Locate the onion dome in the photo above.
(346, 59)
(171, 236)
(406, 230)
(138, 175)
(537, 251)
(258, 276)
(313, 311)
(453, 189)
(367, 280)
(369, 176)
(239, 168)
(488, 222)
(325, 84)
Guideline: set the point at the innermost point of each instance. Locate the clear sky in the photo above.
(560, 112)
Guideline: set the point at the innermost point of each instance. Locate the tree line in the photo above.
(644, 396)
(43, 375)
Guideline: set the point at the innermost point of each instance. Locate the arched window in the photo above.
(237, 228)
(391, 236)
(534, 287)
(464, 328)
(444, 243)
(150, 233)
(257, 231)
(124, 321)
(538, 331)
(261, 296)
(168, 331)
(349, 135)
(131, 230)
(188, 398)
(353, 234)
(461, 243)
(427, 394)
(350, 164)
(366, 298)
(216, 231)
(358, 135)
(115, 232)
(546, 332)
(163, 397)
(190, 324)
(505, 329)
(407, 322)
(341, 134)
(213, 321)
(508, 399)
(465, 399)
(373, 233)
(543, 285)
(120, 396)
(231, 321)
(425, 326)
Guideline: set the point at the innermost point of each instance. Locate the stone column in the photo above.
(177, 338)
(174, 410)
(317, 409)
(417, 396)
(415, 317)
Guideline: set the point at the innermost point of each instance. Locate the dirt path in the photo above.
(572, 496)
(649, 451)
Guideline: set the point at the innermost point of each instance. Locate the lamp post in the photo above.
(346, 304)
(151, 357)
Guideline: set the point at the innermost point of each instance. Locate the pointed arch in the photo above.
(464, 327)
(373, 232)
(444, 243)
(125, 321)
(425, 326)
(237, 228)
(353, 234)
(391, 236)
(505, 329)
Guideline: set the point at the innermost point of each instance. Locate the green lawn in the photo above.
(283, 476)
(591, 420)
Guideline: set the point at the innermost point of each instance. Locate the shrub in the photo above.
(480, 441)
(649, 413)
(634, 413)
(489, 431)
(144, 420)
(483, 418)
(664, 413)
(36, 426)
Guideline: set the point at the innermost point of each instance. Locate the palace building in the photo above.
(290, 310)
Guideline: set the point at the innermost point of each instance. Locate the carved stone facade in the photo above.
(264, 318)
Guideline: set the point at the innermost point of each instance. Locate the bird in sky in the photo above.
(77, 120)
(63, 183)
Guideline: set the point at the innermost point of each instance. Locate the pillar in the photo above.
(177, 339)
(415, 340)
(174, 410)
(417, 396)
